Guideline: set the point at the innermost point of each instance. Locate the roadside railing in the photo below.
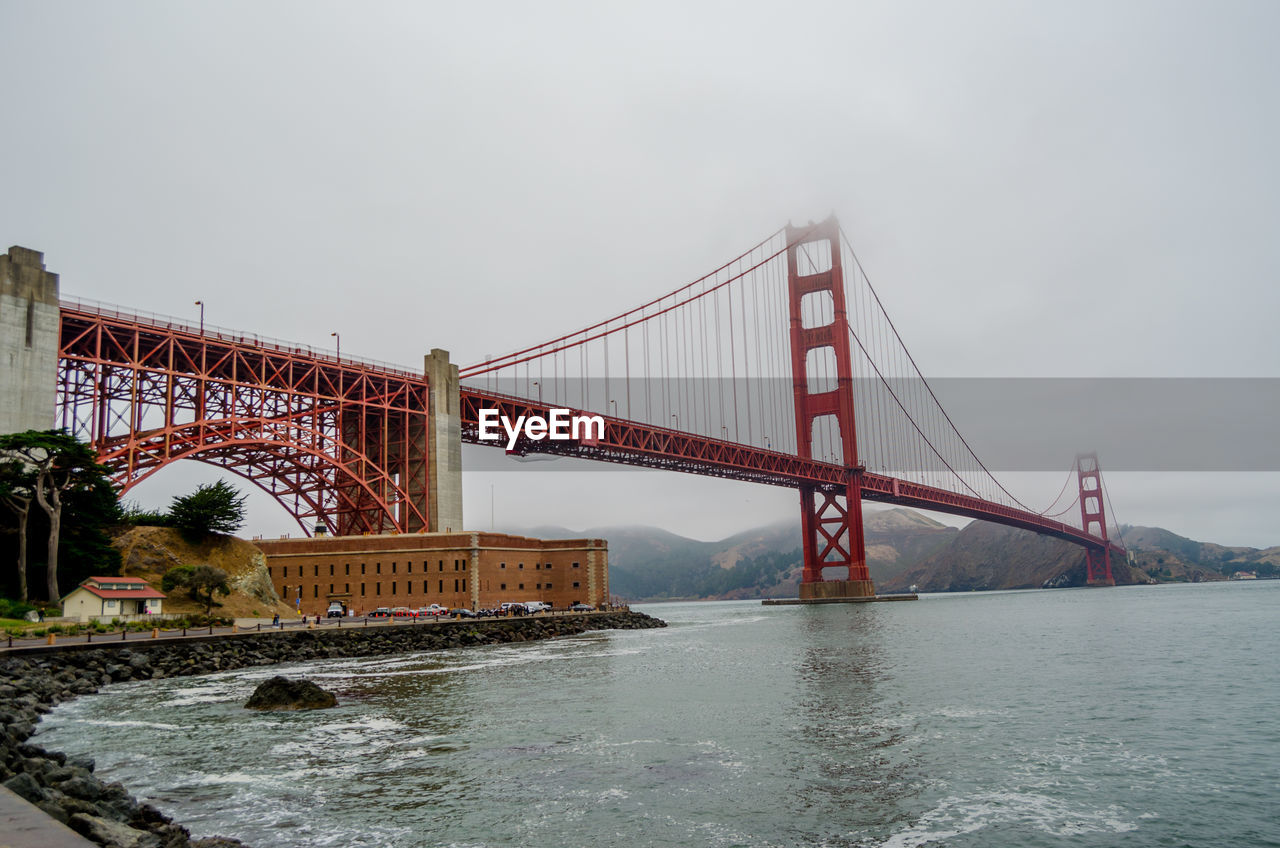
(57, 633)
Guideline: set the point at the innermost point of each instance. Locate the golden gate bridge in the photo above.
(780, 367)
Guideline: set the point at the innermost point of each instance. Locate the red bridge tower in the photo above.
(1094, 519)
(831, 516)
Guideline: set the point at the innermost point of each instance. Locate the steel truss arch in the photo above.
(333, 440)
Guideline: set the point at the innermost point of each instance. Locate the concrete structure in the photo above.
(27, 826)
(105, 598)
(472, 570)
(29, 326)
(444, 452)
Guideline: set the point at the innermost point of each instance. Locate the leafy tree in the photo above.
(59, 464)
(17, 491)
(209, 509)
(200, 581)
(86, 548)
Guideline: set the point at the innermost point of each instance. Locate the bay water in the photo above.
(1135, 716)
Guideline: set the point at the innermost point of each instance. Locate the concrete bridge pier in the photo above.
(444, 451)
(29, 327)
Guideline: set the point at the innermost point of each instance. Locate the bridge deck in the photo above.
(647, 446)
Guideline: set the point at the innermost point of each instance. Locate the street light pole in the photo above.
(338, 343)
(200, 303)
(539, 385)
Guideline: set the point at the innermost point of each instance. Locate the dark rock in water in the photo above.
(281, 693)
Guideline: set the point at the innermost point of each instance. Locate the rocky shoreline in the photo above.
(33, 682)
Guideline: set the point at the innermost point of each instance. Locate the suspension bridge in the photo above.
(781, 367)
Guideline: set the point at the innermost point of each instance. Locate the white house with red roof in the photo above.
(112, 597)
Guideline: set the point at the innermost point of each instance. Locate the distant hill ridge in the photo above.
(904, 548)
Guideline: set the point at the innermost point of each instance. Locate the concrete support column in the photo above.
(473, 571)
(29, 325)
(444, 454)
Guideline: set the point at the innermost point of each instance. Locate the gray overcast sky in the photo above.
(1084, 189)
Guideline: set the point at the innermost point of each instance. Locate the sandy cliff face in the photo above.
(148, 552)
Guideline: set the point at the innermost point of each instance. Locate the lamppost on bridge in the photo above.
(338, 344)
(675, 418)
(615, 407)
(724, 432)
(200, 303)
(767, 445)
(539, 385)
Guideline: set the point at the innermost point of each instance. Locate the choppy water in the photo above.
(1133, 716)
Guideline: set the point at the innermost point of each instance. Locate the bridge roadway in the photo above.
(649, 446)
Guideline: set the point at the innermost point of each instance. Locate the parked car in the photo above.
(336, 610)
(536, 606)
(462, 612)
(437, 610)
(580, 607)
(403, 612)
(381, 612)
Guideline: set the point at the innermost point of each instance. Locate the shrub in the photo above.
(176, 577)
(133, 514)
(202, 582)
(13, 609)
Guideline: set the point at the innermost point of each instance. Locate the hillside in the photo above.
(1156, 546)
(986, 556)
(904, 548)
(653, 564)
(148, 552)
(898, 539)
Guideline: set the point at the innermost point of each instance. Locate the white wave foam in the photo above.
(104, 722)
(954, 816)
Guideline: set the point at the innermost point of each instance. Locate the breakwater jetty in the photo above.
(65, 788)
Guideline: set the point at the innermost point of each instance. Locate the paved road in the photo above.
(241, 627)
